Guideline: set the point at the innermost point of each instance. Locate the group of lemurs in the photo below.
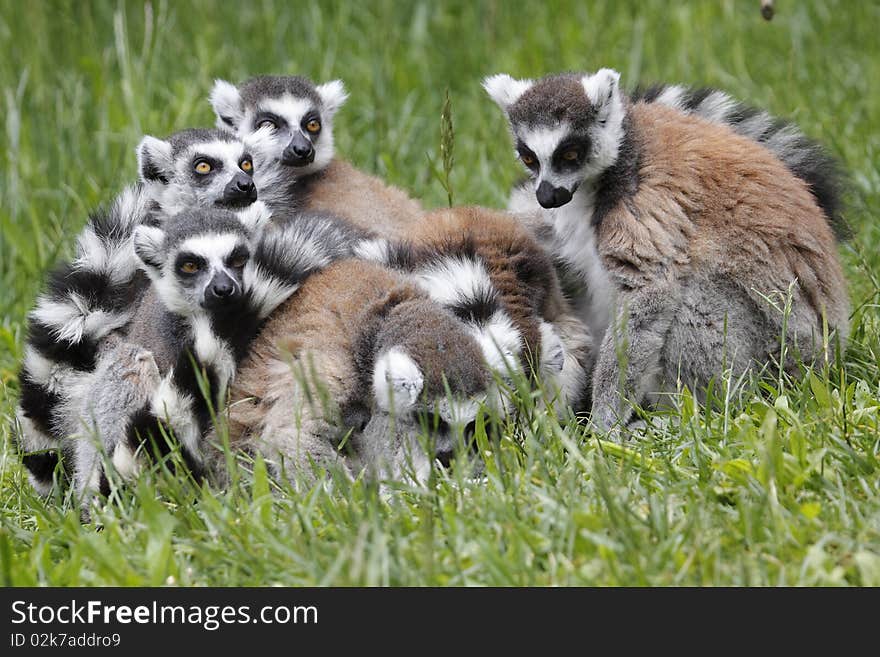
(254, 292)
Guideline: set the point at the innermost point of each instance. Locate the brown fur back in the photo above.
(364, 200)
(321, 322)
(709, 199)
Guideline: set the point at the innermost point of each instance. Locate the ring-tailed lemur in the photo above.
(94, 294)
(216, 277)
(358, 350)
(289, 122)
(678, 228)
(486, 268)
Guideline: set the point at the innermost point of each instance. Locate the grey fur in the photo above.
(122, 383)
(666, 329)
(95, 294)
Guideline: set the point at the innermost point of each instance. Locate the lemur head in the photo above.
(287, 119)
(197, 168)
(429, 375)
(197, 260)
(567, 128)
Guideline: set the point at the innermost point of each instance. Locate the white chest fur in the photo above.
(573, 242)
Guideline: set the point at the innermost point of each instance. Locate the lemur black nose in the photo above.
(239, 192)
(299, 151)
(245, 185)
(552, 197)
(222, 290)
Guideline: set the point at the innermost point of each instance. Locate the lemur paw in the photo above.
(255, 217)
(552, 350)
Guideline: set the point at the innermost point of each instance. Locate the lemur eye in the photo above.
(189, 266)
(246, 165)
(570, 156)
(202, 167)
(313, 126)
(267, 123)
(239, 261)
(527, 159)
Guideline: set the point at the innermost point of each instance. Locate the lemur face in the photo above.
(198, 168)
(430, 377)
(286, 119)
(197, 262)
(566, 128)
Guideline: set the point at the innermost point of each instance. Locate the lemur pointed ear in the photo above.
(333, 96)
(154, 160)
(504, 90)
(149, 243)
(397, 381)
(603, 87)
(227, 104)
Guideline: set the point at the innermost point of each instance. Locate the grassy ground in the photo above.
(781, 490)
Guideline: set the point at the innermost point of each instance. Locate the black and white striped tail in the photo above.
(84, 301)
(804, 157)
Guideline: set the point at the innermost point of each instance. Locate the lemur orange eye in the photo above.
(246, 165)
(202, 167)
(189, 267)
(313, 126)
(239, 261)
(570, 156)
(527, 159)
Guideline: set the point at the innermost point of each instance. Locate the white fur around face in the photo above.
(543, 142)
(226, 101)
(230, 153)
(268, 144)
(179, 193)
(214, 248)
(397, 381)
(505, 90)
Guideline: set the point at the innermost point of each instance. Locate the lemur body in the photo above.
(94, 295)
(289, 122)
(216, 277)
(357, 349)
(677, 228)
(491, 273)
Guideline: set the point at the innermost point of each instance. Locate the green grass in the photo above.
(780, 490)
